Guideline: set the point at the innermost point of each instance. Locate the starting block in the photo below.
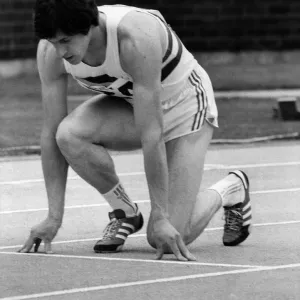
(288, 108)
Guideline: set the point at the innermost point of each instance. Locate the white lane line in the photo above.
(259, 225)
(276, 191)
(277, 223)
(144, 235)
(174, 262)
(138, 201)
(206, 168)
(152, 281)
(16, 182)
(73, 241)
(263, 165)
(67, 207)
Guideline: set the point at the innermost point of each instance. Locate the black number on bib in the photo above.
(124, 89)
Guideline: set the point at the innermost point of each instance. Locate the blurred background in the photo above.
(243, 45)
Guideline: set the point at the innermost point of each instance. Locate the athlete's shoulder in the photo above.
(138, 23)
(50, 65)
(141, 29)
(141, 44)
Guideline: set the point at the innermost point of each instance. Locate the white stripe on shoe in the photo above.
(128, 225)
(248, 222)
(248, 214)
(247, 206)
(124, 231)
(120, 236)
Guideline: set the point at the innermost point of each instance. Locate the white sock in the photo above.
(231, 190)
(118, 199)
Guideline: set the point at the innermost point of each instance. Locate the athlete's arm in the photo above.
(141, 56)
(54, 96)
(54, 86)
(141, 52)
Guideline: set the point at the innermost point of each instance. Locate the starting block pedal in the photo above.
(288, 108)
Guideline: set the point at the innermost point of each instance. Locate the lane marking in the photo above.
(151, 281)
(144, 235)
(277, 223)
(297, 189)
(206, 168)
(73, 241)
(67, 207)
(132, 260)
(263, 165)
(16, 182)
(138, 201)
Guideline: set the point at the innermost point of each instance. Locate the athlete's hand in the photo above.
(167, 237)
(45, 231)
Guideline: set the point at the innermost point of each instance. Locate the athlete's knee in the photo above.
(67, 138)
(150, 241)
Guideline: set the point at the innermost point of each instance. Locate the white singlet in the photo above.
(187, 96)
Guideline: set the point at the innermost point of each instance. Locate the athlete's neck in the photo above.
(96, 52)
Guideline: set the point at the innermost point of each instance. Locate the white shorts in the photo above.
(186, 112)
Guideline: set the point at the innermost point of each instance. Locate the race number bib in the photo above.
(105, 84)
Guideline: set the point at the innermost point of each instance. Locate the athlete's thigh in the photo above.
(107, 121)
(186, 157)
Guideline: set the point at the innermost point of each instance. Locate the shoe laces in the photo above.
(111, 228)
(233, 219)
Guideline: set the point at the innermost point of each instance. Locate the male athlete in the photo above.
(151, 94)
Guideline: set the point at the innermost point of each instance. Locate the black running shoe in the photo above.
(117, 231)
(238, 217)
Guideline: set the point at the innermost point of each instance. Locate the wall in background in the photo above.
(203, 25)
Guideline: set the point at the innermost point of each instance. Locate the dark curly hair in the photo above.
(70, 17)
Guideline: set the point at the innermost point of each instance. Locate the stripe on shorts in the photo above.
(205, 100)
(201, 100)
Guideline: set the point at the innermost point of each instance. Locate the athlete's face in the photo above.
(71, 48)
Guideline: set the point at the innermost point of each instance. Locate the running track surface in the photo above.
(265, 266)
